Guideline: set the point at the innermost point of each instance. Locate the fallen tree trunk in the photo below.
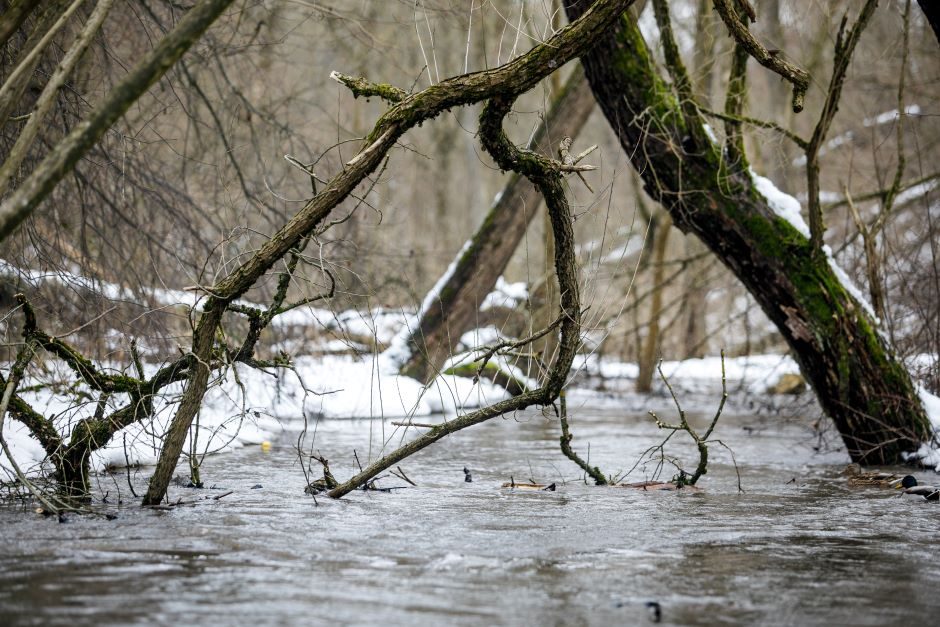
(453, 310)
(856, 376)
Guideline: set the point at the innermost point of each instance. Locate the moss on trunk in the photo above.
(859, 381)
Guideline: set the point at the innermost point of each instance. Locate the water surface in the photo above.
(798, 547)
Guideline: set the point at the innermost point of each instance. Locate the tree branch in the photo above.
(58, 163)
(771, 60)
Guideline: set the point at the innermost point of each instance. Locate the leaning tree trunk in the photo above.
(858, 380)
(485, 258)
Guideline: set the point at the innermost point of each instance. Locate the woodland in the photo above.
(199, 198)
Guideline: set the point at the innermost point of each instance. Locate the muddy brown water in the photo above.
(798, 547)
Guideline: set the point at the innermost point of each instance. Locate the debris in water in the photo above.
(651, 486)
(512, 485)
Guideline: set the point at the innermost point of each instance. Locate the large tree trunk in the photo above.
(857, 378)
(477, 267)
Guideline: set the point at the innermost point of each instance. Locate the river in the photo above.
(797, 547)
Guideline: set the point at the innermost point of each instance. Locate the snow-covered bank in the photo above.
(753, 374)
(247, 406)
(928, 455)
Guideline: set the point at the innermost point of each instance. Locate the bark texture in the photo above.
(856, 376)
(931, 9)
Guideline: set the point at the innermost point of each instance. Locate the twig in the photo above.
(566, 437)
(701, 441)
(401, 474)
(743, 119)
(360, 87)
(16, 373)
(422, 425)
(771, 60)
(844, 49)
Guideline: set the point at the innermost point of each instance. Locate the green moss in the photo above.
(492, 372)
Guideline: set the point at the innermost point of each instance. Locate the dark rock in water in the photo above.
(467, 477)
(63, 518)
(257, 486)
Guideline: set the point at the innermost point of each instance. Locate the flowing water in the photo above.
(797, 547)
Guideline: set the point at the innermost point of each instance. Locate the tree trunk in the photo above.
(14, 14)
(857, 378)
(482, 262)
(649, 352)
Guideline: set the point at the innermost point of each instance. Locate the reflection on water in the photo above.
(797, 547)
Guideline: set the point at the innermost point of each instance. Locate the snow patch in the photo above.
(784, 205)
(928, 454)
(509, 295)
(890, 116)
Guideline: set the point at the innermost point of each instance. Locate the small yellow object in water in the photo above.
(265, 446)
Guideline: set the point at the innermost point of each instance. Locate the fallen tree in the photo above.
(455, 304)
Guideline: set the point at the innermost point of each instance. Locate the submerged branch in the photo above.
(566, 437)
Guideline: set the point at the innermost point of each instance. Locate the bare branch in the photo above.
(66, 154)
(771, 60)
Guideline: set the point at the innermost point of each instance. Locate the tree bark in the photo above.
(857, 378)
(931, 9)
(477, 267)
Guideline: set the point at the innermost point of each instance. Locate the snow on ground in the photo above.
(247, 406)
(890, 116)
(753, 374)
(506, 295)
(929, 455)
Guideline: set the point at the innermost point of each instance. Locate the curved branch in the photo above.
(515, 77)
(546, 175)
(798, 77)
